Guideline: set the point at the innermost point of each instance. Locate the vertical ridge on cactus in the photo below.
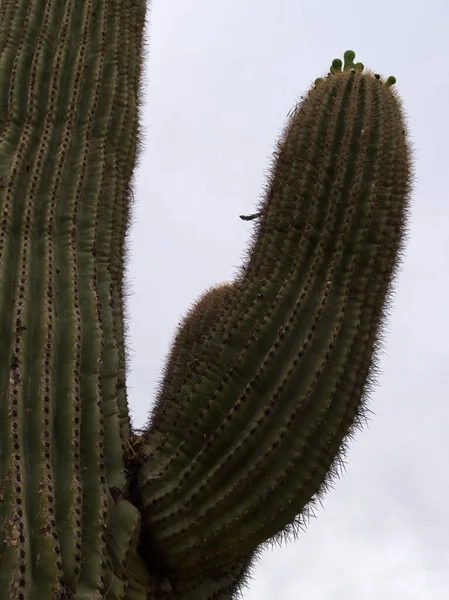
(69, 86)
(267, 375)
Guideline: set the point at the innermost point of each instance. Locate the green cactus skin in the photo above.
(69, 95)
(287, 370)
(269, 374)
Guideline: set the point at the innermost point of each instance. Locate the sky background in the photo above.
(220, 78)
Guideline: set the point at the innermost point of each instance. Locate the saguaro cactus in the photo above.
(267, 375)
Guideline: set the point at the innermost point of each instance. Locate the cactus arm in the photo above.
(69, 87)
(265, 423)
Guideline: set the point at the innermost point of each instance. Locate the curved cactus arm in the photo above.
(69, 89)
(266, 417)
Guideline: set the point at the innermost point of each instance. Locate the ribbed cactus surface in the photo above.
(267, 374)
(69, 80)
(282, 378)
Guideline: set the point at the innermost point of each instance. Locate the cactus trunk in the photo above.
(69, 79)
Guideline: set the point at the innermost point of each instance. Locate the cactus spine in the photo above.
(267, 375)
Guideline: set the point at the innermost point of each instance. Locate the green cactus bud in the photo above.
(348, 56)
(336, 66)
(390, 81)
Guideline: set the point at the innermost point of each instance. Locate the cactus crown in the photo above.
(349, 65)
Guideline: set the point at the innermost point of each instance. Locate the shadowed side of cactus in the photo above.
(69, 95)
(282, 380)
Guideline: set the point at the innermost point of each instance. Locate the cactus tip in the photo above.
(318, 80)
(359, 67)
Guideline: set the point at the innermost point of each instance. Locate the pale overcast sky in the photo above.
(220, 79)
